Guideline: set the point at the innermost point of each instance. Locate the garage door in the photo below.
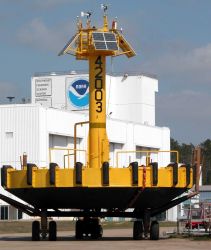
(141, 157)
(114, 148)
(59, 144)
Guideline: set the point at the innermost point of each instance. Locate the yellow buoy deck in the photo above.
(142, 187)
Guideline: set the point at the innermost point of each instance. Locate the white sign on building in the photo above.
(44, 101)
(43, 87)
(77, 92)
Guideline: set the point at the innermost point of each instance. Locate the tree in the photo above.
(185, 156)
(185, 151)
(174, 146)
(206, 162)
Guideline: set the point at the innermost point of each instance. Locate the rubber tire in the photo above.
(35, 231)
(138, 230)
(78, 230)
(99, 232)
(154, 231)
(52, 231)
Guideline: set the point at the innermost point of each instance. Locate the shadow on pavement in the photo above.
(68, 238)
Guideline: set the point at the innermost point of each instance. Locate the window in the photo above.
(20, 215)
(9, 134)
(4, 213)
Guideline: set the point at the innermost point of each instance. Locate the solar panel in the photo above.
(104, 41)
(112, 45)
(110, 37)
(69, 43)
(98, 36)
(124, 45)
(100, 46)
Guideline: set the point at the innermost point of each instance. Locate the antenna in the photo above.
(87, 14)
(104, 7)
(10, 98)
(79, 23)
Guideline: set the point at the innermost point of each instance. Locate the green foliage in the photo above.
(185, 156)
(185, 151)
(206, 162)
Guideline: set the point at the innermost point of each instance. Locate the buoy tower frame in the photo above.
(95, 44)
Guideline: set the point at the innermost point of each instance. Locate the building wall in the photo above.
(128, 98)
(34, 129)
(19, 132)
(132, 98)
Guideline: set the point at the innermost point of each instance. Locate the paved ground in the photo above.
(114, 239)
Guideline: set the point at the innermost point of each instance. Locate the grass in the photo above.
(191, 237)
(201, 238)
(24, 226)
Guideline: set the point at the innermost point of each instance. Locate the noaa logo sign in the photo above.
(78, 93)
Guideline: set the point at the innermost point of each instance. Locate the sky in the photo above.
(172, 39)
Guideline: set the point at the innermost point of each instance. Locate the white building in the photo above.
(61, 100)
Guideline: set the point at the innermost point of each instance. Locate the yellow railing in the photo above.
(75, 137)
(68, 154)
(148, 153)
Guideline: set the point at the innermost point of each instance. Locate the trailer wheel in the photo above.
(35, 230)
(79, 229)
(52, 231)
(138, 230)
(98, 232)
(154, 231)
